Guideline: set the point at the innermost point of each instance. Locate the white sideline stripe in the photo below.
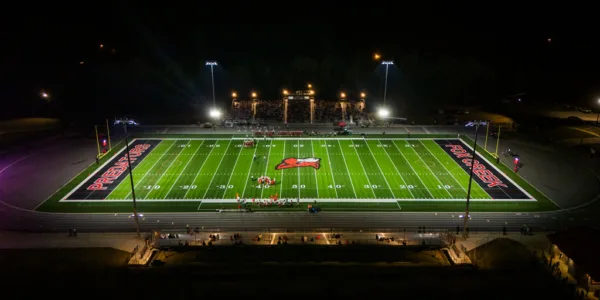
(306, 138)
(312, 200)
(94, 173)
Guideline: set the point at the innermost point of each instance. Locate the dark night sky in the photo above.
(441, 57)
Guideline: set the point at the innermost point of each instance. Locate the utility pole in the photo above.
(466, 224)
(135, 214)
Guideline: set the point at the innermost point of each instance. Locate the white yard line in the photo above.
(185, 167)
(448, 171)
(136, 185)
(331, 169)
(363, 167)
(166, 171)
(348, 170)
(262, 189)
(411, 167)
(281, 184)
(312, 149)
(424, 163)
(200, 169)
(252, 164)
(388, 155)
(216, 170)
(378, 167)
(298, 184)
(237, 158)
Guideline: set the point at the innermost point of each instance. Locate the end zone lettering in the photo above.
(120, 167)
(478, 169)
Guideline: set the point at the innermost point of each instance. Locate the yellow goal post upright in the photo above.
(108, 146)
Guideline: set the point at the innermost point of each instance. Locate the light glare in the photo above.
(384, 113)
(214, 113)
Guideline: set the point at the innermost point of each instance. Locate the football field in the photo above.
(386, 173)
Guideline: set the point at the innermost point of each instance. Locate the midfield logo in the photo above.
(293, 162)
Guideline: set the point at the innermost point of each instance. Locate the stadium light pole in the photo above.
(466, 217)
(212, 77)
(387, 64)
(135, 214)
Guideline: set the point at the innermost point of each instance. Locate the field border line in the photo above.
(339, 200)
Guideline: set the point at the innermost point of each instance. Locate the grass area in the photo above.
(183, 173)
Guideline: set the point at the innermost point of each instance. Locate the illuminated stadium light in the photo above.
(211, 63)
(215, 113)
(383, 113)
(387, 62)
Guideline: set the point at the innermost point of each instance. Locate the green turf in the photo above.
(387, 173)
